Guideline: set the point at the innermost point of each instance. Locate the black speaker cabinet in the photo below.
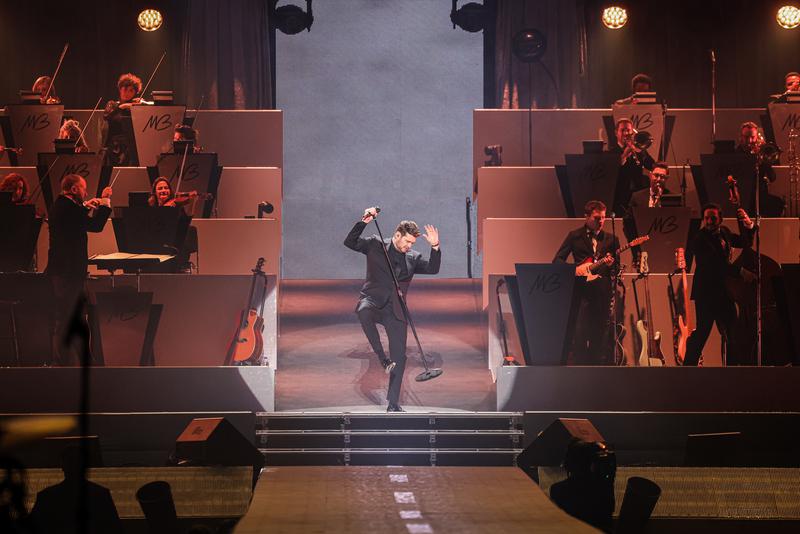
(214, 441)
(550, 446)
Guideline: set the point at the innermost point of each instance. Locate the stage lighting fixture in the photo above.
(150, 20)
(471, 17)
(615, 17)
(291, 19)
(529, 45)
(788, 17)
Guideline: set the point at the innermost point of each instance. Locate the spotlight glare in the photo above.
(788, 17)
(150, 20)
(615, 17)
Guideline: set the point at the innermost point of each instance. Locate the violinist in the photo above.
(16, 184)
(42, 86)
(185, 132)
(162, 195)
(71, 129)
(751, 141)
(120, 144)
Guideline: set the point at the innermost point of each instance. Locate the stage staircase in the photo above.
(408, 439)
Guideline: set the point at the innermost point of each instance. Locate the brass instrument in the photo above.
(637, 142)
(767, 152)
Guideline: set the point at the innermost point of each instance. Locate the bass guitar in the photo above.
(247, 346)
(651, 355)
(587, 268)
(683, 320)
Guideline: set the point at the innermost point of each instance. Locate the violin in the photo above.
(184, 197)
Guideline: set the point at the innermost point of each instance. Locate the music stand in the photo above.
(53, 167)
(151, 230)
(711, 180)
(19, 232)
(587, 177)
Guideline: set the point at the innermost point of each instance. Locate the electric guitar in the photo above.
(651, 355)
(683, 320)
(247, 346)
(587, 269)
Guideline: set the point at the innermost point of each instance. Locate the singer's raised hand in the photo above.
(369, 214)
(432, 236)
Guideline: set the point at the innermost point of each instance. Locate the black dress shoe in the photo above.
(394, 408)
(388, 365)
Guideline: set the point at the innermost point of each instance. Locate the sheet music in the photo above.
(118, 256)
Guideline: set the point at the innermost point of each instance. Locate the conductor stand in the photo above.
(429, 373)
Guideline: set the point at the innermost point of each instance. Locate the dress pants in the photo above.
(590, 336)
(67, 290)
(710, 309)
(397, 332)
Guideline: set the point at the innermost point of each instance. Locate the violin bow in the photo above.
(35, 193)
(58, 68)
(153, 74)
(86, 124)
(186, 146)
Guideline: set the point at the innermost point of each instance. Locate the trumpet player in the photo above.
(752, 142)
(635, 163)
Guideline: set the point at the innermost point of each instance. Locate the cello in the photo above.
(247, 346)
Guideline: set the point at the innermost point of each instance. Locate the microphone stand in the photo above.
(713, 97)
(757, 229)
(429, 373)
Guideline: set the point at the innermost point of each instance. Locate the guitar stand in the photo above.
(429, 373)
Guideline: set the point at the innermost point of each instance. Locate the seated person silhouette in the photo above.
(56, 507)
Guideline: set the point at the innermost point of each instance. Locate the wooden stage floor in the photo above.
(325, 362)
(402, 500)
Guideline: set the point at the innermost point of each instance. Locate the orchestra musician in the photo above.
(711, 249)
(635, 162)
(161, 194)
(592, 343)
(640, 83)
(792, 82)
(71, 129)
(120, 143)
(41, 86)
(752, 142)
(185, 132)
(378, 302)
(71, 217)
(651, 196)
(16, 184)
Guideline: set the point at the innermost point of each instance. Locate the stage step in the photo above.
(434, 438)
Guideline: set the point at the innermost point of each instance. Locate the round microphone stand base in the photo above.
(428, 374)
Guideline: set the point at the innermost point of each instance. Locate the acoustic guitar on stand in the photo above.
(247, 347)
(587, 268)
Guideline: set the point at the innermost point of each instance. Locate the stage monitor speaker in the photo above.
(550, 446)
(719, 449)
(214, 441)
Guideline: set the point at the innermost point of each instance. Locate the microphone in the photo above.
(377, 209)
(713, 56)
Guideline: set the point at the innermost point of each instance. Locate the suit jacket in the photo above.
(630, 179)
(579, 244)
(378, 287)
(55, 509)
(712, 255)
(69, 222)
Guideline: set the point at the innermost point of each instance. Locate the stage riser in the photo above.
(399, 458)
(406, 421)
(142, 439)
(311, 441)
(659, 439)
(649, 389)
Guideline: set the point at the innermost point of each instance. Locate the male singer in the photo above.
(378, 301)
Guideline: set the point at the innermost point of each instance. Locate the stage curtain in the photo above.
(225, 54)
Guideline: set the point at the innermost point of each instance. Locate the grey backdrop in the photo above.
(377, 103)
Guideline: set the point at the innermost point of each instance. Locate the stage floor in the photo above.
(402, 500)
(325, 362)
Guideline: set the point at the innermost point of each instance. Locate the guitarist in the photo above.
(592, 344)
(711, 247)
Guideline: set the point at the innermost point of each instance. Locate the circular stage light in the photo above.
(788, 17)
(150, 20)
(615, 17)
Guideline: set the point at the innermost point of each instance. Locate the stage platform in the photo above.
(402, 500)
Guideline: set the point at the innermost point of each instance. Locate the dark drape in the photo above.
(226, 54)
(671, 41)
(215, 48)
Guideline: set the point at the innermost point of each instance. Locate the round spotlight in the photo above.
(788, 17)
(615, 17)
(150, 20)
(529, 45)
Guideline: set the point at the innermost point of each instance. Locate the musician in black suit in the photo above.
(378, 302)
(71, 217)
(591, 344)
(711, 249)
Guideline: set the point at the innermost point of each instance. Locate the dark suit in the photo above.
(67, 258)
(589, 323)
(711, 252)
(379, 303)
